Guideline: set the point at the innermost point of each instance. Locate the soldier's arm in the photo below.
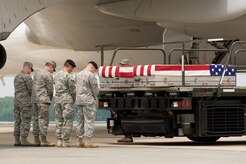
(49, 84)
(94, 86)
(29, 83)
(71, 86)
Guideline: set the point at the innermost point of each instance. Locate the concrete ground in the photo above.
(143, 150)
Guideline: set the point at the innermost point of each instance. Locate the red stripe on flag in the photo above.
(197, 67)
(168, 67)
(135, 70)
(103, 71)
(149, 70)
(110, 71)
(117, 71)
(142, 70)
(179, 67)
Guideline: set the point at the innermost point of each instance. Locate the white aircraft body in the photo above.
(67, 28)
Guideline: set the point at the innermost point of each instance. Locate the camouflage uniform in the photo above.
(22, 104)
(86, 93)
(64, 100)
(42, 94)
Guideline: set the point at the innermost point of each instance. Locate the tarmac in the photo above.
(142, 150)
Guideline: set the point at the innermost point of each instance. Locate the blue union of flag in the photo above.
(217, 70)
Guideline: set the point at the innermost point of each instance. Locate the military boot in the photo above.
(17, 141)
(59, 142)
(37, 141)
(80, 143)
(25, 142)
(88, 143)
(44, 142)
(126, 139)
(66, 143)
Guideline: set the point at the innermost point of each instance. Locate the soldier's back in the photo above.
(40, 91)
(63, 90)
(23, 89)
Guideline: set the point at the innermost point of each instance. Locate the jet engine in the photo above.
(3, 56)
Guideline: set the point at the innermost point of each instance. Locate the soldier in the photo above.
(64, 100)
(124, 62)
(86, 93)
(22, 105)
(126, 138)
(42, 94)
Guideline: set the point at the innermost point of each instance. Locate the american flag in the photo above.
(165, 70)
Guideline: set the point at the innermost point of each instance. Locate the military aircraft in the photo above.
(92, 25)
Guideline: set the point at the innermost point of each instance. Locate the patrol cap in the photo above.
(71, 62)
(28, 64)
(94, 64)
(124, 62)
(52, 63)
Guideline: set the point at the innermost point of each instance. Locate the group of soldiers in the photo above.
(33, 99)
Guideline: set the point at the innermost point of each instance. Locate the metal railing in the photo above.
(229, 58)
(236, 53)
(137, 49)
(193, 50)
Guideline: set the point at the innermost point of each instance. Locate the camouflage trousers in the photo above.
(64, 120)
(40, 119)
(86, 120)
(23, 117)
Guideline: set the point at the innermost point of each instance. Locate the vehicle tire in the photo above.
(204, 139)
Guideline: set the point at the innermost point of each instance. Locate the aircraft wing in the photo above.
(13, 12)
(78, 25)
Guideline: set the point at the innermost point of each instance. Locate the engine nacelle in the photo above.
(3, 56)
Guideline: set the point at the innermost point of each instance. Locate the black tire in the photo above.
(204, 139)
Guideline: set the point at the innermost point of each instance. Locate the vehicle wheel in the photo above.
(204, 139)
